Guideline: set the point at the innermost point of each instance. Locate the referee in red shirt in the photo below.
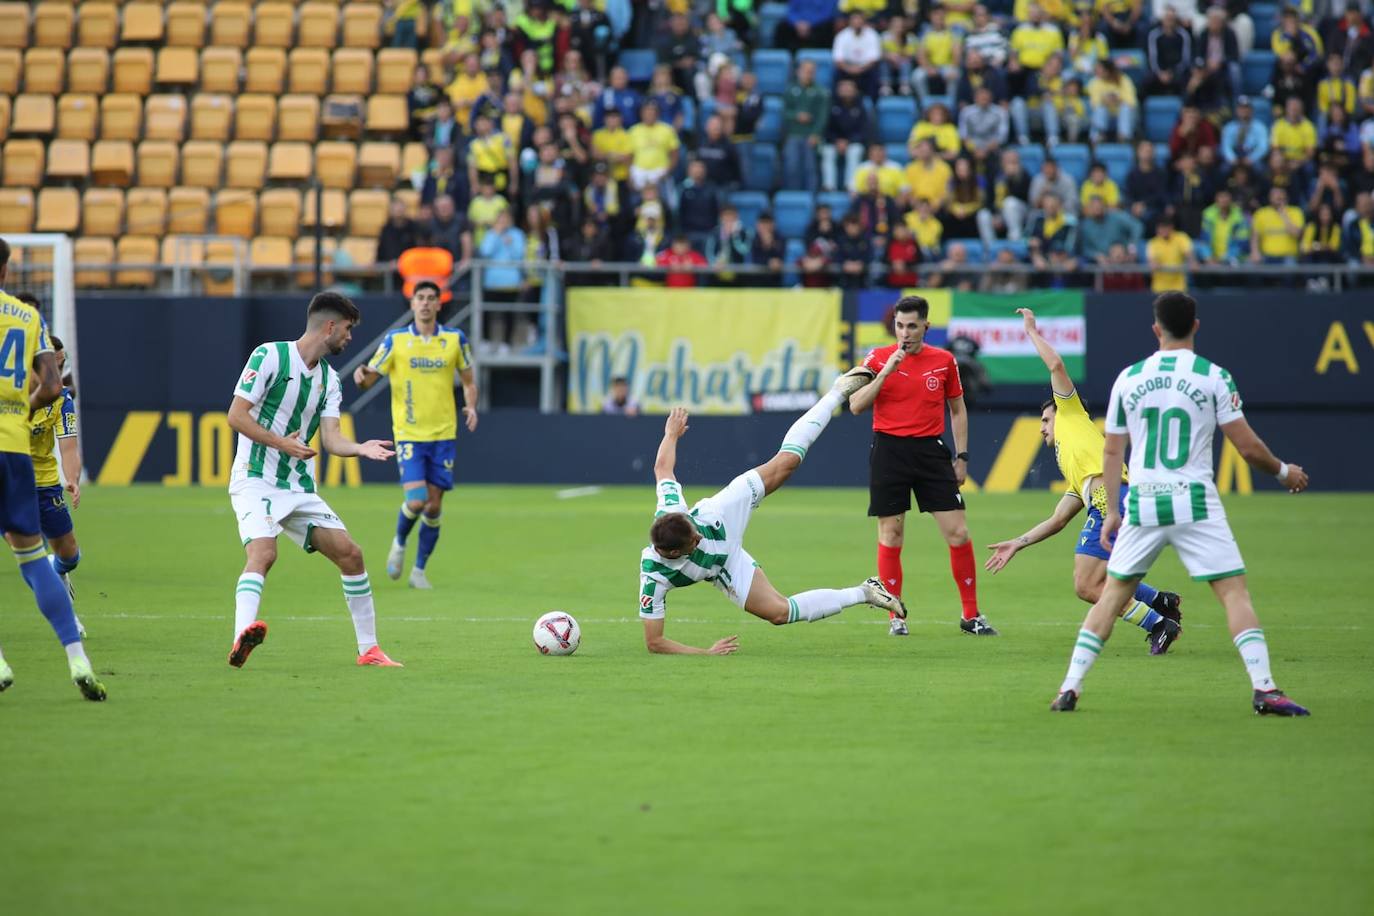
(912, 382)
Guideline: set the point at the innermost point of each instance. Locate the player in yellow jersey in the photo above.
(1065, 424)
(25, 348)
(421, 360)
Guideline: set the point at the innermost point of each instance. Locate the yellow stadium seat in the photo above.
(362, 252)
(230, 24)
(272, 24)
(212, 114)
(352, 71)
(362, 25)
(186, 23)
(157, 163)
(177, 67)
(188, 211)
(270, 251)
(98, 25)
(182, 251)
(266, 70)
(342, 117)
(112, 163)
(279, 212)
(52, 24)
(333, 205)
(411, 198)
(246, 164)
(44, 70)
(319, 25)
(367, 212)
(414, 158)
(88, 70)
(16, 210)
(236, 212)
(140, 250)
(16, 35)
(201, 162)
(433, 58)
(121, 116)
(298, 118)
(142, 21)
(164, 117)
(5, 112)
(133, 70)
(145, 211)
(395, 70)
(254, 115)
(218, 277)
(309, 70)
(78, 117)
(59, 210)
(379, 165)
(387, 114)
(69, 159)
(289, 161)
(305, 260)
(336, 163)
(87, 252)
(34, 114)
(11, 69)
(102, 212)
(219, 69)
(23, 162)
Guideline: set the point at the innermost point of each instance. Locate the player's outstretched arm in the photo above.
(469, 380)
(242, 422)
(365, 377)
(665, 462)
(863, 399)
(1002, 552)
(1059, 376)
(1258, 456)
(659, 644)
(336, 443)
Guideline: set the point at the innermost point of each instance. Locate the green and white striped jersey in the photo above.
(1170, 404)
(286, 396)
(658, 575)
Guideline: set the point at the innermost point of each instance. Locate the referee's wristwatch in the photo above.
(962, 456)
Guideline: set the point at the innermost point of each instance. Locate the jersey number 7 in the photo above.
(12, 357)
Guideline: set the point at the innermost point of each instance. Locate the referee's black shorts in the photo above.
(901, 465)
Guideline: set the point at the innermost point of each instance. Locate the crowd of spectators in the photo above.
(544, 145)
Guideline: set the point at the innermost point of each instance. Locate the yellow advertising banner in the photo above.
(713, 351)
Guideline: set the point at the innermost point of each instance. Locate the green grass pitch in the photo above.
(826, 768)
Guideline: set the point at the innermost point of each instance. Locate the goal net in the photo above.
(42, 265)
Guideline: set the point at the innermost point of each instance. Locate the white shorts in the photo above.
(265, 511)
(1207, 548)
(735, 505)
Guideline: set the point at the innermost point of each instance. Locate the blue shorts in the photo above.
(53, 516)
(18, 495)
(1089, 543)
(431, 462)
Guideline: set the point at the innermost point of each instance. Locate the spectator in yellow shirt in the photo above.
(1032, 43)
(656, 148)
(1276, 230)
(467, 87)
(1336, 89)
(1099, 186)
(891, 181)
(937, 128)
(492, 157)
(937, 57)
(928, 177)
(1321, 239)
(927, 229)
(1169, 252)
(1111, 97)
(1294, 135)
(611, 144)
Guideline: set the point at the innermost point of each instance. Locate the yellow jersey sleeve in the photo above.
(381, 361)
(23, 335)
(1077, 443)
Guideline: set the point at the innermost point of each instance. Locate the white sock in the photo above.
(76, 652)
(358, 593)
(1254, 651)
(1085, 652)
(247, 597)
(806, 430)
(820, 603)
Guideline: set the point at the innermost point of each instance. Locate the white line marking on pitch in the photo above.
(576, 492)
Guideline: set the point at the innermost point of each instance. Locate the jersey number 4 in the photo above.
(12, 358)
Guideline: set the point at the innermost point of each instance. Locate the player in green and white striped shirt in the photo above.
(1170, 405)
(705, 544)
(286, 393)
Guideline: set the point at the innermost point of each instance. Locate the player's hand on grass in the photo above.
(293, 446)
(727, 646)
(470, 419)
(676, 423)
(74, 491)
(1296, 481)
(1002, 552)
(376, 449)
(1027, 319)
(1111, 524)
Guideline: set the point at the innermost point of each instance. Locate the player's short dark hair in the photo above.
(1176, 313)
(912, 304)
(1050, 404)
(333, 304)
(4, 254)
(29, 299)
(671, 531)
(427, 284)
(56, 342)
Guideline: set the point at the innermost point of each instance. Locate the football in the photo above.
(556, 633)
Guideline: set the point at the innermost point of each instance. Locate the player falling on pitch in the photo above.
(287, 392)
(706, 544)
(422, 359)
(1066, 426)
(25, 348)
(1169, 405)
